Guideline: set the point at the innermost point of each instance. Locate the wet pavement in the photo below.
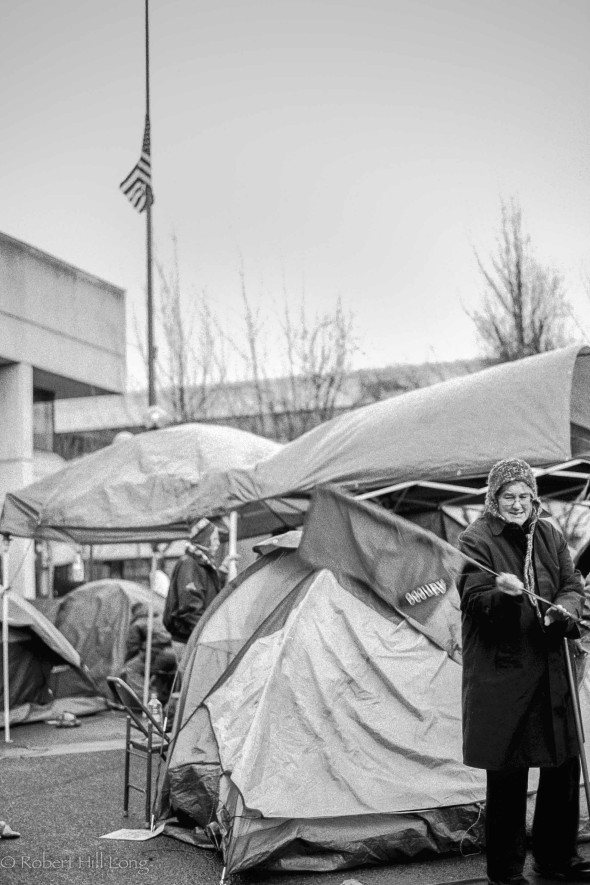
(62, 789)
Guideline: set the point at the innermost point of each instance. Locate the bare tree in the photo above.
(524, 309)
(317, 356)
(191, 362)
(573, 519)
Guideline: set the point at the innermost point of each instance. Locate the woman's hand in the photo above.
(509, 584)
(554, 614)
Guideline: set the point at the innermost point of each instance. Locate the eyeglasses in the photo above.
(511, 499)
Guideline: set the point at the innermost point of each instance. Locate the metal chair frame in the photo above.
(149, 738)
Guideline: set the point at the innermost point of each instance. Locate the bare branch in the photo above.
(523, 308)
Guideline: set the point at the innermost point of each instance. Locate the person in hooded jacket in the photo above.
(517, 706)
(163, 660)
(194, 583)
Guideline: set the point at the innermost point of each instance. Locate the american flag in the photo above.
(137, 187)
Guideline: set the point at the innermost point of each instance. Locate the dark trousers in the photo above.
(555, 822)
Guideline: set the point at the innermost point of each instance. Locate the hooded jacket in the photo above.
(194, 584)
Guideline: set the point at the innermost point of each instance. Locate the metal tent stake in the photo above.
(578, 720)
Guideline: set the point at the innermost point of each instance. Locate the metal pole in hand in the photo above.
(578, 719)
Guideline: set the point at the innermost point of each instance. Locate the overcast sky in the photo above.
(357, 148)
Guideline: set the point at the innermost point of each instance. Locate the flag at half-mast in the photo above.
(137, 187)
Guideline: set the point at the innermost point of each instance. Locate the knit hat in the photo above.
(516, 470)
(503, 472)
(202, 532)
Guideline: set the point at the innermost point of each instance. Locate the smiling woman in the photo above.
(517, 710)
(515, 502)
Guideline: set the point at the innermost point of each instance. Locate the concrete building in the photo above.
(62, 334)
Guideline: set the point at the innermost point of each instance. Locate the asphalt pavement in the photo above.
(62, 789)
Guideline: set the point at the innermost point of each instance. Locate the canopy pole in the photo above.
(577, 719)
(6, 681)
(232, 567)
(150, 629)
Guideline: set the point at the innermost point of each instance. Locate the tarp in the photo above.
(36, 648)
(97, 618)
(22, 614)
(535, 408)
(319, 719)
(136, 489)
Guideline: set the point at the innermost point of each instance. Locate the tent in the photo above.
(426, 447)
(36, 649)
(137, 489)
(106, 621)
(319, 725)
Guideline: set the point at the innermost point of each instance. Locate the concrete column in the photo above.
(16, 462)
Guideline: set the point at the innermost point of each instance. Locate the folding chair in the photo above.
(144, 737)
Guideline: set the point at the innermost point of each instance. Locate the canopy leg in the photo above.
(232, 568)
(6, 681)
(150, 629)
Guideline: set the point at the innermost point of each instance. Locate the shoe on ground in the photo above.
(577, 870)
(65, 720)
(6, 831)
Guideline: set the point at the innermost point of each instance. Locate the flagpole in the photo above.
(150, 300)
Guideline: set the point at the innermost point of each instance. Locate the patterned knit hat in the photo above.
(202, 532)
(516, 470)
(505, 471)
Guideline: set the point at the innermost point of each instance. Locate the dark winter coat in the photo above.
(517, 710)
(194, 584)
(163, 662)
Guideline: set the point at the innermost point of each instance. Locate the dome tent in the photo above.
(105, 621)
(319, 722)
(36, 648)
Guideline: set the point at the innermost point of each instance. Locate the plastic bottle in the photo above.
(155, 708)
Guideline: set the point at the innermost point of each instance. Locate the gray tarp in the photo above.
(95, 619)
(22, 614)
(137, 489)
(536, 408)
(35, 648)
